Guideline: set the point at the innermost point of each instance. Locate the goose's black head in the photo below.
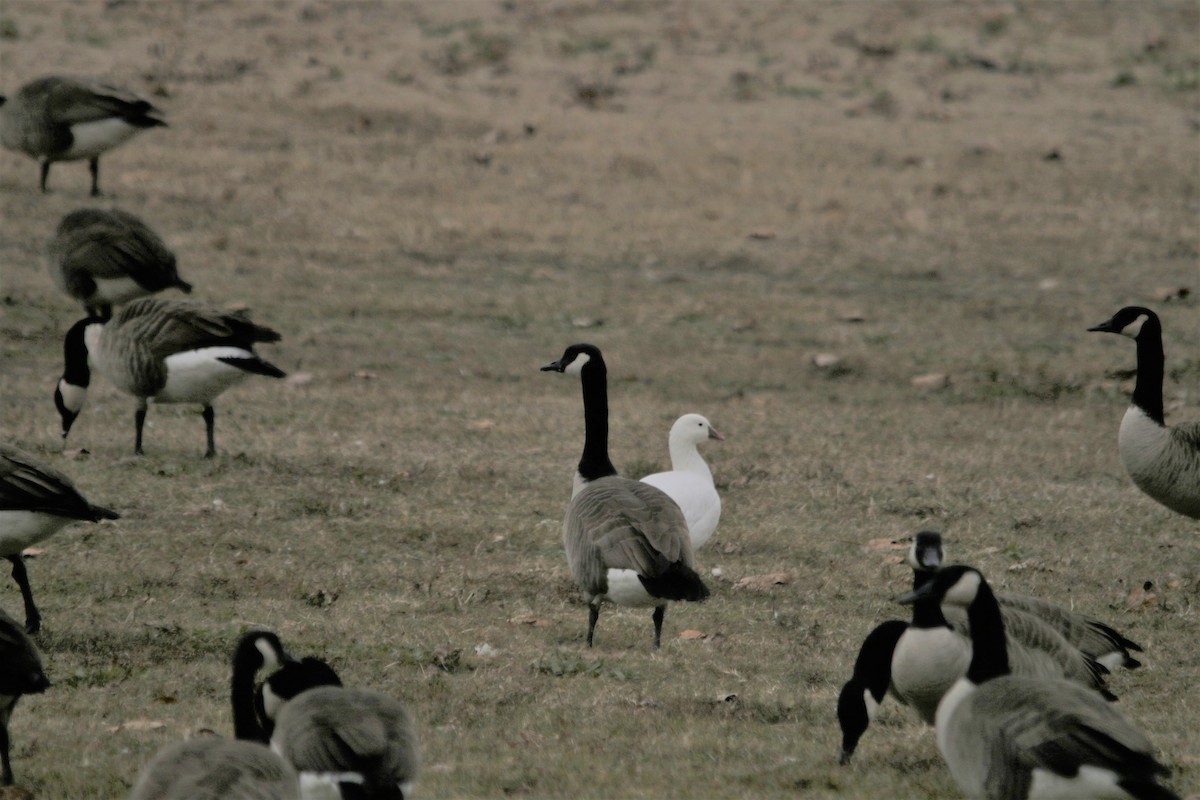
(575, 358)
(1129, 321)
(957, 584)
(926, 553)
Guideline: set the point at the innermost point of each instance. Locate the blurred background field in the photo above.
(864, 239)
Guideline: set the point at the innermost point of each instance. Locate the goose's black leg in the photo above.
(593, 615)
(45, 175)
(659, 612)
(6, 777)
(33, 620)
(94, 168)
(210, 418)
(139, 421)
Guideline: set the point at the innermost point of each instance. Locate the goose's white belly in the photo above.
(93, 138)
(115, 291)
(19, 529)
(1092, 783)
(626, 589)
(197, 376)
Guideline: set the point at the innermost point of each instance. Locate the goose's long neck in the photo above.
(595, 462)
(75, 354)
(927, 613)
(241, 693)
(685, 457)
(1147, 391)
(989, 653)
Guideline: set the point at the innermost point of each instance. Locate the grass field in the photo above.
(430, 200)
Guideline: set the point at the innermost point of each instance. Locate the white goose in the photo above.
(1164, 461)
(69, 119)
(626, 541)
(1006, 737)
(690, 482)
(168, 351)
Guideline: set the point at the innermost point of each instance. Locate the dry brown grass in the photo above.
(428, 199)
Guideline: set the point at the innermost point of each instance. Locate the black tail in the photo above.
(100, 512)
(677, 582)
(1147, 789)
(255, 365)
(183, 286)
(1120, 642)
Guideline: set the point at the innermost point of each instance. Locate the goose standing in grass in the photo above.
(36, 501)
(626, 541)
(861, 696)
(20, 673)
(1096, 640)
(690, 482)
(68, 119)
(1007, 737)
(104, 258)
(214, 768)
(168, 351)
(362, 741)
(1164, 461)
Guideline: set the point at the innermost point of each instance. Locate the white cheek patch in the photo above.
(964, 589)
(576, 365)
(72, 396)
(871, 704)
(269, 654)
(1134, 328)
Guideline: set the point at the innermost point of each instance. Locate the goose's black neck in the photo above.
(873, 667)
(927, 612)
(246, 661)
(1147, 391)
(75, 354)
(595, 462)
(989, 652)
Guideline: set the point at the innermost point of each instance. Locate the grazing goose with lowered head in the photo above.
(168, 351)
(1089, 635)
(690, 482)
(1164, 461)
(103, 258)
(36, 501)
(626, 541)
(68, 119)
(256, 704)
(919, 661)
(20, 673)
(214, 768)
(1007, 737)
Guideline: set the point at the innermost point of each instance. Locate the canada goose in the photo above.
(919, 661)
(1007, 737)
(626, 541)
(215, 768)
(861, 696)
(1164, 461)
(1092, 637)
(168, 351)
(20, 673)
(104, 258)
(67, 119)
(690, 482)
(285, 683)
(360, 739)
(36, 501)
(256, 651)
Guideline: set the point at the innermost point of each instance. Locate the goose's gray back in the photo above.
(213, 768)
(620, 523)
